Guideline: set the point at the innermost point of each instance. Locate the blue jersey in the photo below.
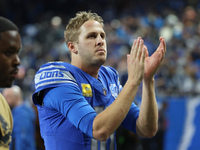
(68, 100)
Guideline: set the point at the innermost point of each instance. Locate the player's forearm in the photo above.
(147, 122)
(110, 119)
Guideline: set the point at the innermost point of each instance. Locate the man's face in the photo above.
(91, 44)
(10, 44)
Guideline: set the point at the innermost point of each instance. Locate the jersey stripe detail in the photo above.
(51, 74)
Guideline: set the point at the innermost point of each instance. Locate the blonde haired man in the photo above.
(82, 104)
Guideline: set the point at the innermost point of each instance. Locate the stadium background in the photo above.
(42, 22)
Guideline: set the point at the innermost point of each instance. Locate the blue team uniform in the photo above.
(68, 99)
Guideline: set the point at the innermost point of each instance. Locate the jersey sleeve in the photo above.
(131, 118)
(52, 74)
(69, 101)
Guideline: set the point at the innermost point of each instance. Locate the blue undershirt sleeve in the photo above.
(70, 102)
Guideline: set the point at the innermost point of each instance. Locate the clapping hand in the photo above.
(136, 61)
(153, 62)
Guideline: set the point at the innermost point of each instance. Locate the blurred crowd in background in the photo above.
(42, 24)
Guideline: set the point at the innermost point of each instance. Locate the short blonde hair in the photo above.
(72, 29)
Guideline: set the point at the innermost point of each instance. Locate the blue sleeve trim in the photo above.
(50, 75)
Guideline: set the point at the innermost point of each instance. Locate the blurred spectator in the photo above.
(23, 136)
(176, 20)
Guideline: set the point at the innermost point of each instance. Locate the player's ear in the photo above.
(72, 47)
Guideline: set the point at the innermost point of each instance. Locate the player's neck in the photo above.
(93, 71)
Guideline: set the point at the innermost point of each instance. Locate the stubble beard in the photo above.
(98, 62)
(92, 59)
(94, 62)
